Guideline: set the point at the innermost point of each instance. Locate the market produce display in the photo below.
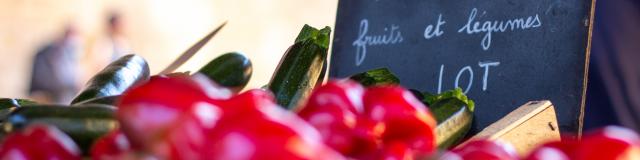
(197, 125)
(124, 113)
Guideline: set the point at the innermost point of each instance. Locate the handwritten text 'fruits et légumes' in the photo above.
(478, 23)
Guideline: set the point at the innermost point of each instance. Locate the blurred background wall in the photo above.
(159, 30)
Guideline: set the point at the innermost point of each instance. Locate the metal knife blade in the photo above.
(191, 51)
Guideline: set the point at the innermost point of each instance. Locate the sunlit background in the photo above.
(159, 30)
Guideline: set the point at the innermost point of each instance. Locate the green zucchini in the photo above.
(323, 74)
(300, 67)
(115, 78)
(379, 76)
(455, 93)
(14, 102)
(108, 100)
(8, 105)
(454, 121)
(83, 124)
(454, 113)
(4, 113)
(232, 70)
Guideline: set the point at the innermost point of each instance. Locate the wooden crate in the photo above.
(525, 128)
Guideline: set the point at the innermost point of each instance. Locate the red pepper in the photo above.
(544, 153)
(391, 151)
(113, 145)
(150, 113)
(263, 131)
(371, 123)
(560, 150)
(611, 142)
(175, 118)
(39, 142)
(486, 150)
(402, 116)
(248, 104)
(211, 88)
(334, 109)
(442, 155)
(187, 139)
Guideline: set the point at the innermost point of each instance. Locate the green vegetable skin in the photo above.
(14, 102)
(8, 105)
(232, 70)
(115, 78)
(454, 121)
(454, 113)
(323, 73)
(380, 76)
(83, 124)
(300, 67)
(108, 100)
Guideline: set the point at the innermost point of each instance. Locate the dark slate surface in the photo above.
(540, 45)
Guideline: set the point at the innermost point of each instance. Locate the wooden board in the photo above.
(525, 128)
(435, 45)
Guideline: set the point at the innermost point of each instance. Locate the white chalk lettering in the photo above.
(467, 68)
(440, 79)
(486, 66)
(430, 32)
(474, 26)
(461, 75)
(392, 36)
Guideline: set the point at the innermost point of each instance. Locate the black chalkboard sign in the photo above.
(502, 53)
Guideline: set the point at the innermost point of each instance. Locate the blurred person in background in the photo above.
(613, 91)
(55, 69)
(112, 45)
